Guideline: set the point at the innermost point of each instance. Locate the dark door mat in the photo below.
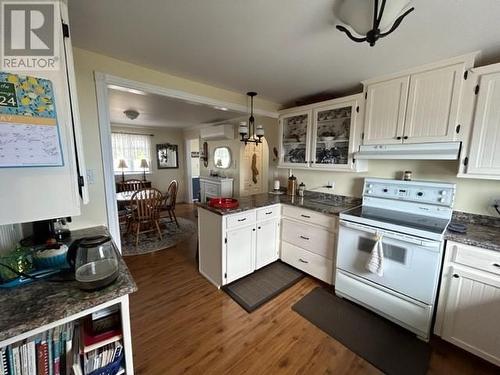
(387, 346)
(263, 285)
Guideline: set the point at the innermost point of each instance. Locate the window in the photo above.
(131, 148)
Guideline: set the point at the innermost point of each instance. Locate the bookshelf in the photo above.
(123, 338)
(33, 309)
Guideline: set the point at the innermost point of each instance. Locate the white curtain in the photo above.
(132, 148)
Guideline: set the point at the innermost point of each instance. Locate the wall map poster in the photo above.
(29, 133)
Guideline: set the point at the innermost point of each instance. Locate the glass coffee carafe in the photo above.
(96, 262)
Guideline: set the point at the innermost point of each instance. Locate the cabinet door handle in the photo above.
(306, 216)
(304, 237)
(253, 230)
(242, 219)
(405, 137)
(456, 276)
(269, 213)
(258, 228)
(398, 138)
(303, 261)
(496, 265)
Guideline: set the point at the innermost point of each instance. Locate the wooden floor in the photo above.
(181, 324)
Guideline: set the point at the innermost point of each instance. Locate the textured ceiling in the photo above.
(287, 50)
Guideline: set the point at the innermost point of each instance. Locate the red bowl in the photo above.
(225, 203)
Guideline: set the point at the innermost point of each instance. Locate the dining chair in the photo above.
(145, 205)
(131, 185)
(170, 199)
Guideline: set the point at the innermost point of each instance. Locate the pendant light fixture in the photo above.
(249, 133)
(357, 14)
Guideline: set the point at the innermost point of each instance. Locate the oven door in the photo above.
(411, 264)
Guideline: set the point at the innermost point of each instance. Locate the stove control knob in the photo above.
(441, 200)
(369, 191)
(420, 193)
(443, 192)
(385, 190)
(370, 186)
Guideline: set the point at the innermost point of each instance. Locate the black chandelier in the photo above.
(375, 34)
(249, 133)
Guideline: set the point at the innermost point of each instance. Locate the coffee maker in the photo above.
(45, 231)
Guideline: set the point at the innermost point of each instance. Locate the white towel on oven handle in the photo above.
(375, 263)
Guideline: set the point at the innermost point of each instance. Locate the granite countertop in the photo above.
(329, 204)
(482, 231)
(41, 302)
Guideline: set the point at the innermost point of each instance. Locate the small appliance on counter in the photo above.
(95, 260)
(50, 231)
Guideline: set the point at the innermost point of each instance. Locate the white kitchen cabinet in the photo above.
(211, 187)
(433, 105)
(469, 301)
(322, 136)
(267, 244)
(233, 246)
(385, 111)
(335, 134)
(295, 133)
(309, 242)
(37, 193)
(420, 105)
(483, 150)
(472, 311)
(240, 252)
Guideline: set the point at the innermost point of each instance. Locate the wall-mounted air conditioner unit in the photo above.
(217, 133)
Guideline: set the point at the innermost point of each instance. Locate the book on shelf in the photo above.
(43, 354)
(79, 347)
(101, 357)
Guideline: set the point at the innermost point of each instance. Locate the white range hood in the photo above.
(416, 151)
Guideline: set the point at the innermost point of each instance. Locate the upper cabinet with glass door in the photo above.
(332, 139)
(328, 141)
(295, 129)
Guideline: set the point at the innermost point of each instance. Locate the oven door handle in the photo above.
(431, 245)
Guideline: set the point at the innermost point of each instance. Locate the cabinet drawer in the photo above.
(211, 189)
(268, 212)
(313, 264)
(316, 240)
(244, 218)
(482, 259)
(309, 216)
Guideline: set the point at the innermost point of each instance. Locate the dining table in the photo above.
(125, 197)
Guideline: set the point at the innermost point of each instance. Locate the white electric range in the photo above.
(411, 218)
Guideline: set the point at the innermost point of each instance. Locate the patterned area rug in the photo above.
(150, 242)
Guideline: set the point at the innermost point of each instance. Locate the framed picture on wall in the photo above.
(167, 156)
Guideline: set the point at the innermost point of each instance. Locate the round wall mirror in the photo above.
(222, 157)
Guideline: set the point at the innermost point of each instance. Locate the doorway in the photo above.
(103, 82)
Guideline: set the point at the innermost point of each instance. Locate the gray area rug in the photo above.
(254, 290)
(387, 346)
(150, 242)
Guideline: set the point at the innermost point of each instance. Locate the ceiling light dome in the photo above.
(131, 114)
(373, 19)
